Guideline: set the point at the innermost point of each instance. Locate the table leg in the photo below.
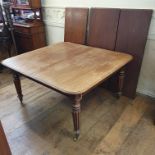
(120, 82)
(9, 49)
(17, 83)
(76, 107)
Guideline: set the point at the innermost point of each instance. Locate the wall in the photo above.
(54, 20)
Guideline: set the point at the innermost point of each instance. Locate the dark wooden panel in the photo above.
(4, 147)
(32, 4)
(131, 38)
(30, 38)
(103, 28)
(24, 42)
(76, 25)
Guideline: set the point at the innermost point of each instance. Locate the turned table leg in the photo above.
(76, 107)
(121, 82)
(17, 83)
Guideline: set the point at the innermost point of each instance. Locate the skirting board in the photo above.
(147, 93)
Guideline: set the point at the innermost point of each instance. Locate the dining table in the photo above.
(70, 69)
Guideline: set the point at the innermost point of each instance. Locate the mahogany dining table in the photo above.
(70, 69)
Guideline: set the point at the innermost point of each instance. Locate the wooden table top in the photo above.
(67, 67)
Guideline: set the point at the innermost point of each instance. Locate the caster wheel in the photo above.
(75, 139)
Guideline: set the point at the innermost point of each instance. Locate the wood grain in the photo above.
(44, 126)
(131, 38)
(103, 28)
(127, 122)
(76, 25)
(4, 147)
(141, 140)
(32, 4)
(30, 37)
(67, 67)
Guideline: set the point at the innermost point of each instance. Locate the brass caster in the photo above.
(76, 137)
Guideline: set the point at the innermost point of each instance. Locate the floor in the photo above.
(109, 126)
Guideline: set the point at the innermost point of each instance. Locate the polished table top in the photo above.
(67, 67)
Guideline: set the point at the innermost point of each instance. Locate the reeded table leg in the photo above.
(120, 82)
(76, 107)
(17, 84)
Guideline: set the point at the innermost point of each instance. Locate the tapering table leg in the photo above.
(17, 83)
(121, 82)
(76, 107)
